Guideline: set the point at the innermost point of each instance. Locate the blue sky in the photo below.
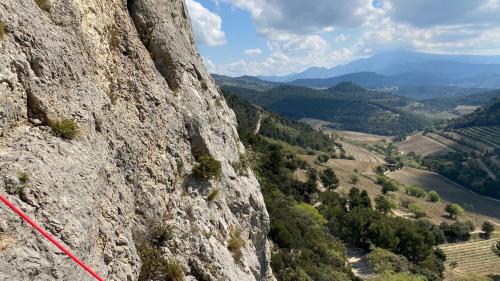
(274, 37)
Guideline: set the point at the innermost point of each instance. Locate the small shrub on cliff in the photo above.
(43, 4)
(213, 194)
(236, 243)
(23, 177)
(161, 233)
(156, 267)
(208, 168)
(65, 128)
(2, 30)
(175, 272)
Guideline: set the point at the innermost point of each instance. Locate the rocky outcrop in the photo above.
(130, 76)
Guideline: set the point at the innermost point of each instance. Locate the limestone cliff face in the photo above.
(131, 77)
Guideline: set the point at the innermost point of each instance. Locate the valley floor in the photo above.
(449, 191)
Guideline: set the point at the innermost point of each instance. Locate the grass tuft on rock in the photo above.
(43, 4)
(213, 194)
(65, 128)
(175, 271)
(156, 267)
(23, 177)
(236, 243)
(2, 30)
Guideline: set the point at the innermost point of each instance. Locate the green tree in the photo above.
(417, 210)
(381, 260)
(433, 196)
(329, 179)
(496, 248)
(454, 210)
(388, 185)
(488, 228)
(415, 191)
(354, 178)
(457, 231)
(323, 158)
(365, 200)
(384, 204)
(359, 199)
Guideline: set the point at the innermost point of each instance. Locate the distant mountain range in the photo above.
(487, 80)
(365, 79)
(403, 61)
(247, 82)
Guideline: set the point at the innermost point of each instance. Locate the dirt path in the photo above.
(359, 263)
(257, 127)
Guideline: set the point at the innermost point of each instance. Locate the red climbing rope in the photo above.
(51, 239)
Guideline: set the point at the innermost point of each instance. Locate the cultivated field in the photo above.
(489, 135)
(449, 191)
(477, 145)
(468, 140)
(471, 257)
(316, 123)
(488, 210)
(361, 137)
(361, 154)
(423, 146)
(451, 144)
(466, 109)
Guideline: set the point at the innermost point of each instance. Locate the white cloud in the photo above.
(428, 13)
(280, 63)
(340, 38)
(303, 17)
(301, 34)
(207, 26)
(253, 52)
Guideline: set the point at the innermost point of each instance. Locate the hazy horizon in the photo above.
(257, 37)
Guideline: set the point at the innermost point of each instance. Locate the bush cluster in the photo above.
(207, 168)
(415, 191)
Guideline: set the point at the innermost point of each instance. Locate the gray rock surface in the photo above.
(129, 74)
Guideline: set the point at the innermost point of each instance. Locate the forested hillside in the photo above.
(448, 103)
(349, 106)
(487, 116)
(311, 228)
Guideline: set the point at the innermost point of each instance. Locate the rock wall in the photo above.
(130, 76)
